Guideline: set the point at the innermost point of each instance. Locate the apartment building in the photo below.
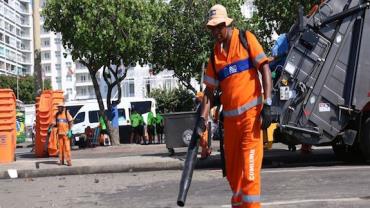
(57, 68)
(16, 37)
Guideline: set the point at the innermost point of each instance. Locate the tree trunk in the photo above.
(113, 133)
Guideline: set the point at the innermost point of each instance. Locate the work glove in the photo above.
(49, 129)
(266, 116)
(69, 134)
(201, 126)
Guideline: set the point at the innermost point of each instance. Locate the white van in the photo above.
(88, 114)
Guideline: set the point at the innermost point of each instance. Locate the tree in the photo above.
(27, 92)
(176, 100)
(183, 43)
(276, 16)
(100, 33)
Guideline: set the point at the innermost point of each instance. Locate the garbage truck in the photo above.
(322, 93)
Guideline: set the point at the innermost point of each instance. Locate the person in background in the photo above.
(151, 127)
(103, 131)
(159, 125)
(89, 136)
(136, 124)
(63, 121)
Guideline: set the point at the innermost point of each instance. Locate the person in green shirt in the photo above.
(137, 122)
(151, 127)
(104, 137)
(159, 127)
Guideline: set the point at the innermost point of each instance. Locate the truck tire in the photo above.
(365, 139)
(348, 153)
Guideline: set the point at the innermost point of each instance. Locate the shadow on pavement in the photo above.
(47, 162)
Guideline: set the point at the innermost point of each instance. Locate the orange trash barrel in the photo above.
(7, 126)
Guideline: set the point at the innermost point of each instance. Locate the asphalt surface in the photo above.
(305, 187)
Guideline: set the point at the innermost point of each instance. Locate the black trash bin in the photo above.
(178, 128)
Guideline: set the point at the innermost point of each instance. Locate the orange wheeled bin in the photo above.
(7, 126)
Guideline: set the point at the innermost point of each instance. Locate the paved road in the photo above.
(298, 187)
(289, 180)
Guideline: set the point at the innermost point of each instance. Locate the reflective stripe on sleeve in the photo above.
(211, 81)
(258, 58)
(243, 108)
(251, 198)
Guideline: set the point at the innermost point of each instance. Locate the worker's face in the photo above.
(60, 109)
(219, 32)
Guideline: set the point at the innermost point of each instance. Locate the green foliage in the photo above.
(183, 43)
(276, 16)
(26, 87)
(176, 100)
(100, 31)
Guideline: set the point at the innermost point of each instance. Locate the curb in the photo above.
(103, 169)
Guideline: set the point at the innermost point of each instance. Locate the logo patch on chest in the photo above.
(233, 69)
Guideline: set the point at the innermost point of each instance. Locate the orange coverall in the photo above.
(64, 141)
(241, 98)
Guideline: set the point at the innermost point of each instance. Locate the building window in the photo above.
(69, 78)
(129, 88)
(69, 64)
(57, 41)
(46, 68)
(69, 92)
(58, 67)
(58, 54)
(147, 86)
(7, 39)
(82, 78)
(168, 84)
(45, 55)
(58, 79)
(46, 42)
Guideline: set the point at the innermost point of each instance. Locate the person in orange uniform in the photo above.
(63, 121)
(206, 150)
(245, 110)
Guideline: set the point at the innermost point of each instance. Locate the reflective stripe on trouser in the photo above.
(64, 148)
(243, 156)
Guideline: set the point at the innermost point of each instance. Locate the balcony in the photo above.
(23, 10)
(25, 23)
(83, 84)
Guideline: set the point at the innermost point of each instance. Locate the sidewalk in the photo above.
(112, 159)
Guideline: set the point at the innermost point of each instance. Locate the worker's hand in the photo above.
(201, 126)
(69, 134)
(266, 116)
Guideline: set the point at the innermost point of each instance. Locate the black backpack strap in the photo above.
(243, 39)
(213, 62)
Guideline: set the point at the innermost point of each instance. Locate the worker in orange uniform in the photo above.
(206, 150)
(233, 69)
(63, 121)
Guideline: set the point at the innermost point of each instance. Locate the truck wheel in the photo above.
(347, 153)
(171, 151)
(365, 139)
